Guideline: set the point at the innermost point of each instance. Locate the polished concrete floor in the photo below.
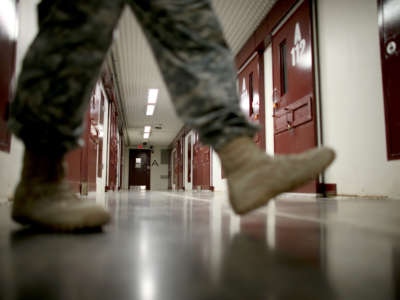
(166, 245)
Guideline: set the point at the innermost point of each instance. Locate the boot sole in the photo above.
(84, 226)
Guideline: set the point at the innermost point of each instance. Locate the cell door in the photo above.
(196, 154)
(176, 169)
(189, 160)
(204, 166)
(250, 97)
(201, 165)
(139, 168)
(389, 23)
(293, 81)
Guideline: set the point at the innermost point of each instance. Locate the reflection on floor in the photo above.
(177, 245)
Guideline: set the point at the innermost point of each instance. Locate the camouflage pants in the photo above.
(64, 61)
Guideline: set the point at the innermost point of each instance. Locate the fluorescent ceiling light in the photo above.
(147, 129)
(146, 135)
(152, 98)
(150, 110)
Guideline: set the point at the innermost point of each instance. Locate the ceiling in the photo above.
(136, 70)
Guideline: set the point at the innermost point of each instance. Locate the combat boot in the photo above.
(255, 177)
(44, 198)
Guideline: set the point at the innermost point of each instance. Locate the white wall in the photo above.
(269, 109)
(190, 136)
(102, 182)
(11, 163)
(352, 100)
(156, 183)
(125, 175)
(217, 180)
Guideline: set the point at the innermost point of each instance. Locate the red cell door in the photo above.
(389, 23)
(204, 166)
(8, 39)
(251, 100)
(293, 82)
(196, 154)
(189, 155)
(81, 162)
(176, 168)
(121, 165)
(201, 166)
(139, 168)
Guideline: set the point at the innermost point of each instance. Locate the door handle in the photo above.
(391, 47)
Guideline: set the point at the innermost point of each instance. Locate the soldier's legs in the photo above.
(59, 71)
(52, 96)
(198, 69)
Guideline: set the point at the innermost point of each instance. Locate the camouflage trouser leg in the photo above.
(60, 70)
(196, 65)
(65, 58)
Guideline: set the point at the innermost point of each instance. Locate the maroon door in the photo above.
(121, 166)
(181, 160)
(81, 163)
(8, 39)
(204, 166)
(201, 166)
(293, 81)
(176, 169)
(196, 155)
(139, 168)
(189, 151)
(251, 100)
(389, 24)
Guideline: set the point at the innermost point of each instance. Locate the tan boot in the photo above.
(254, 177)
(44, 198)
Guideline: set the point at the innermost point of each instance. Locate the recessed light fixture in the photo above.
(150, 110)
(147, 129)
(152, 97)
(146, 135)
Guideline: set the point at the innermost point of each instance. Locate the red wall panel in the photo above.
(389, 25)
(8, 36)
